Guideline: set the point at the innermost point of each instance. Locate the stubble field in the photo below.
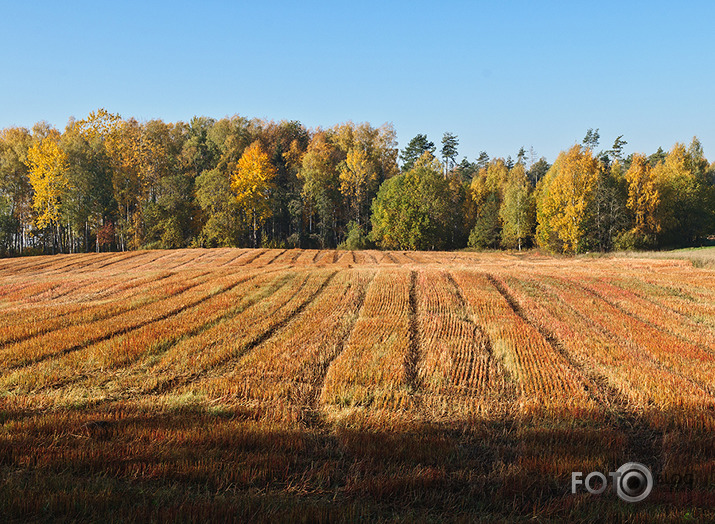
(299, 385)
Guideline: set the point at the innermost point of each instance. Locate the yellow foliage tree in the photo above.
(99, 124)
(564, 200)
(47, 171)
(675, 182)
(357, 178)
(643, 196)
(490, 180)
(252, 182)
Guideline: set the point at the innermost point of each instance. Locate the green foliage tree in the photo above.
(356, 238)
(658, 157)
(590, 141)
(168, 218)
(466, 170)
(463, 211)
(486, 232)
(89, 201)
(608, 213)
(199, 152)
(616, 150)
(517, 211)
(483, 160)
(521, 156)
(537, 171)
(213, 194)
(154, 184)
(412, 210)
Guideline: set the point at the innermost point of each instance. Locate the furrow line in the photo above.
(643, 439)
(116, 259)
(87, 314)
(412, 355)
(190, 261)
(233, 259)
(257, 253)
(182, 331)
(597, 387)
(295, 256)
(280, 253)
(462, 303)
(121, 330)
(510, 380)
(661, 329)
(176, 382)
(647, 344)
(314, 395)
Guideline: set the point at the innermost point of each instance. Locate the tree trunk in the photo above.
(255, 243)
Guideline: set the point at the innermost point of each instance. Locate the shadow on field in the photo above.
(122, 462)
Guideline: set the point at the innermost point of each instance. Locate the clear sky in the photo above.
(500, 75)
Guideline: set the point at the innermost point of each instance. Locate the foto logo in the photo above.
(632, 482)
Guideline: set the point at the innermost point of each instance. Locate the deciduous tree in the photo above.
(413, 210)
(321, 187)
(517, 210)
(252, 183)
(15, 189)
(487, 228)
(687, 195)
(357, 180)
(564, 198)
(48, 166)
(643, 198)
(213, 194)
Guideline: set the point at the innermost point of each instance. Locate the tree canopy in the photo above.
(412, 210)
(111, 183)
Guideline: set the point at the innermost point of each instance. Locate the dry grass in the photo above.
(293, 385)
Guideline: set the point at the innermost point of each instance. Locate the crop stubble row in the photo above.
(437, 338)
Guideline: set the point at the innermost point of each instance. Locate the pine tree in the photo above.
(449, 151)
(417, 147)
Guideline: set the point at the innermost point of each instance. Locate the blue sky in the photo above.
(500, 75)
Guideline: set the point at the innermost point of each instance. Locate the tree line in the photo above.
(108, 183)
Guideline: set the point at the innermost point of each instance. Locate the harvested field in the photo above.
(299, 385)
